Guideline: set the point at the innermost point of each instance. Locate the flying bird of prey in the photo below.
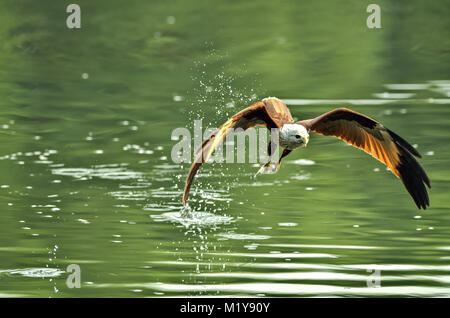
(356, 129)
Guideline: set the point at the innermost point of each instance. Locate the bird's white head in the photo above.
(293, 136)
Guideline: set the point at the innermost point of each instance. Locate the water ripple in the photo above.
(34, 272)
(194, 218)
(112, 173)
(300, 289)
(236, 236)
(280, 255)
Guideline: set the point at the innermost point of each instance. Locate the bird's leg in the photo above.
(284, 154)
(276, 167)
(267, 168)
(270, 167)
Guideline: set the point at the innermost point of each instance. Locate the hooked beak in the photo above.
(305, 140)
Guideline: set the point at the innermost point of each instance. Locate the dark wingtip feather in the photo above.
(414, 178)
(402, 142)
(411, 173)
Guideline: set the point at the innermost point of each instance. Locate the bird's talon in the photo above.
(268, 168)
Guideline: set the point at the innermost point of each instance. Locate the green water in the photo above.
(86, 174)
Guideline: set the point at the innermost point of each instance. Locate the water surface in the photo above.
(85, 156)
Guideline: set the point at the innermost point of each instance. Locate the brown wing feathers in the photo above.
(365, 133)
(411, 173)
(270, 113)
(356, 129)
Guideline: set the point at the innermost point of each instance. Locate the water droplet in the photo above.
(170, 20)
(177, 98)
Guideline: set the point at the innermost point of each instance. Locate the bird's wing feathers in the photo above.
(278, 111)
(365, 133)
(271, 112)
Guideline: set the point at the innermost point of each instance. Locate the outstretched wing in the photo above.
(365, 133)
(271, 112)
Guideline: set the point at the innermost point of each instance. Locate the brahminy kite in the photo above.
(354, 128)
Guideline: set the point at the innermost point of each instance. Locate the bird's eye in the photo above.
(298, 136)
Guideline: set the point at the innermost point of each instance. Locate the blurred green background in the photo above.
(86, 117)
